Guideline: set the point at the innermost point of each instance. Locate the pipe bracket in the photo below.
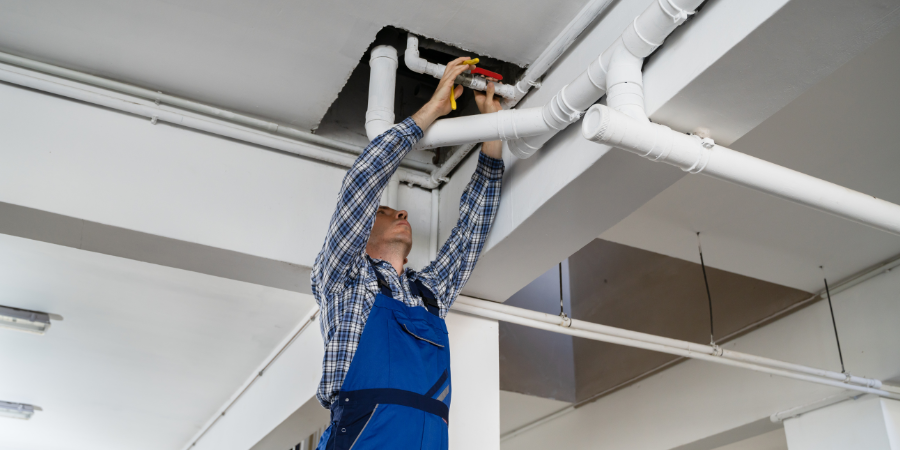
(679, 15)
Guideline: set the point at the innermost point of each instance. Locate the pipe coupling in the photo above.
(384, 51)
(557, 113)
(649, 140)
(383, 114)
(676, 13)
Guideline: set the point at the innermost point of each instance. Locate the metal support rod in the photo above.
(712, 334)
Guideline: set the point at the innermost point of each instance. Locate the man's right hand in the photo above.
(439, 105)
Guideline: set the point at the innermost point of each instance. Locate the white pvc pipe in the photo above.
(532, 75)
(691, 154)
(501, 125)
(419, 65)
(685, 349)
(177, 102)
(140, 107)
(668, 342)
(644, 35)
(557, 47)
(382, 83)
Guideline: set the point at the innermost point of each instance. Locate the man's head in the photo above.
(391, 235)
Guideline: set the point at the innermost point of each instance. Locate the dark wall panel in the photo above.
(625, 287)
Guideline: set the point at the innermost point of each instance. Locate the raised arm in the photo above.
(450, 270)
(343, 253)
(448, 273)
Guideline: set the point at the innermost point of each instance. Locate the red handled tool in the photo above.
(487, 73)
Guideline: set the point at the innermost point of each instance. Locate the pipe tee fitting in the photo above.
(649, 140)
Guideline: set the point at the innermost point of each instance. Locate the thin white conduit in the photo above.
(309, 318)
(475, 307)
(557, 47)
(467, 305)
(841, 286)
(122, 102)
(435, 213)
(178, 102)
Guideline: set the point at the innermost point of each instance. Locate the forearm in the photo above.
(493, 149)
(478, 206)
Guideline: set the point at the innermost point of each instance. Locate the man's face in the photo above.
(391, 227)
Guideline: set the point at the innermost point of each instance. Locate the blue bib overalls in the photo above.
(397, 392)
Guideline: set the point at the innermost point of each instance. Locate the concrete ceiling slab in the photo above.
(145, 354)
(278, 59)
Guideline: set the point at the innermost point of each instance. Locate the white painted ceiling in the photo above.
(844, 130)
(145, 354)
(279, 59)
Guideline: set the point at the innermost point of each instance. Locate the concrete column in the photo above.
(475, 366)
(869, 423)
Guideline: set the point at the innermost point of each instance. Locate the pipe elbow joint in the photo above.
(378, 121)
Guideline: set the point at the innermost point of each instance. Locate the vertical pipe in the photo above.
(435, 208)
(382, 81)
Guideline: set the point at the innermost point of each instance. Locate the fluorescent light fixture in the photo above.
(24, 320)
(17, 410)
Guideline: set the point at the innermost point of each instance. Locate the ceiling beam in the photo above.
(96, 237)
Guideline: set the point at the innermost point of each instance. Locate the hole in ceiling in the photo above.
(345, 118)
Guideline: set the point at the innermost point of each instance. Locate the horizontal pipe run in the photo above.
(178, 102)
(526, 319)
(668, 342)
(501, 125)
(825, 402)
(441, 174)
(150, 110)
(557, 47)
(419, 65)
(691, 154)
(640, 38)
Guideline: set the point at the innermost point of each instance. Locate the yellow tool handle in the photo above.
(468, 62)
(453, 98)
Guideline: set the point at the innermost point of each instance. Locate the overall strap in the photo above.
(417, 288)
(428, 298)
(382, 284)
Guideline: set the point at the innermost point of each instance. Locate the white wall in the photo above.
(694, 400)
(474, 363)
(96, 164)
(869, 423)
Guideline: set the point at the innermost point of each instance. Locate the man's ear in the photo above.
(405, 260)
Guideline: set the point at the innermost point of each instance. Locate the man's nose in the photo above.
(402, 214)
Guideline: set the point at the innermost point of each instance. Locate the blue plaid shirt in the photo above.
(343, 277)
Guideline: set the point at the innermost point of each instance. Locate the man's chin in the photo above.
(403, 238)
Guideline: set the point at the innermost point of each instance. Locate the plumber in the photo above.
(386, 371)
